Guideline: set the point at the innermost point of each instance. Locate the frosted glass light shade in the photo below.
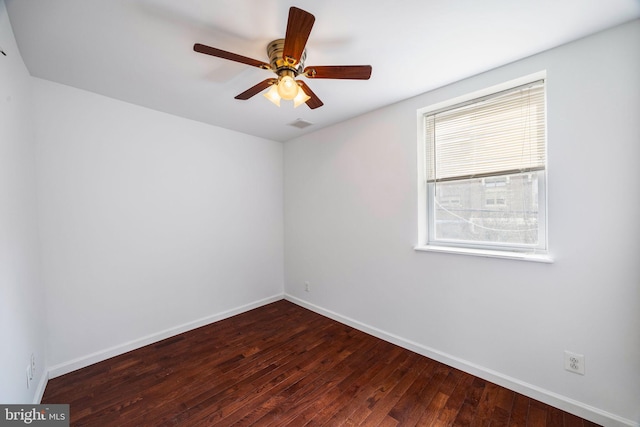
(300, 98)
(287, 88)
(272, 95)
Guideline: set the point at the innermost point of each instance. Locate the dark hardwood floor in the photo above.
(283, 365)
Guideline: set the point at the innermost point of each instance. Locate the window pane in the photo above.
(494, 210)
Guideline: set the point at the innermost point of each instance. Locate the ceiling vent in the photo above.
(300, 124)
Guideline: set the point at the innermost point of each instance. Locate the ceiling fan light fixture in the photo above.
(273, 95)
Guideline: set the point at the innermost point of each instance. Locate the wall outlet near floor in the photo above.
(574, 362)
(307, 287)
(31, 369)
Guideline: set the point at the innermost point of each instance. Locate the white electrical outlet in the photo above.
(574, 362)
(307, 287)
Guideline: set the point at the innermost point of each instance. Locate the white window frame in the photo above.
(425, 192)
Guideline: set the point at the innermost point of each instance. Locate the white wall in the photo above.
(150, 224)
(22, 330)
(351, 224)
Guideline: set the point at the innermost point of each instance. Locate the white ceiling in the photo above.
(141, 51)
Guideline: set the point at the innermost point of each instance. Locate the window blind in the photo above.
(498, 134)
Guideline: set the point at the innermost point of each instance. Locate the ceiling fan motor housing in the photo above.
(279, 64)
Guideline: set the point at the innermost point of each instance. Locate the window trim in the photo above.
(513, 252)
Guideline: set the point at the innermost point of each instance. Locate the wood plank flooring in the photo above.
(283, 365)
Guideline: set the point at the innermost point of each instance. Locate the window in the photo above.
(483, 173)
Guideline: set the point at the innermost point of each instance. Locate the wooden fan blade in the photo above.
(298, 29)
(208, 50)
(355, 72)
(313, 102)
(254, 90)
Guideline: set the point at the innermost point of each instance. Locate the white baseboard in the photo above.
(42, 385)
(562, 402)
(99, 356)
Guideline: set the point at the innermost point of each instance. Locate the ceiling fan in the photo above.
(286, 60)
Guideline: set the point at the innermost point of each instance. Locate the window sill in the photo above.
(522, 256)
